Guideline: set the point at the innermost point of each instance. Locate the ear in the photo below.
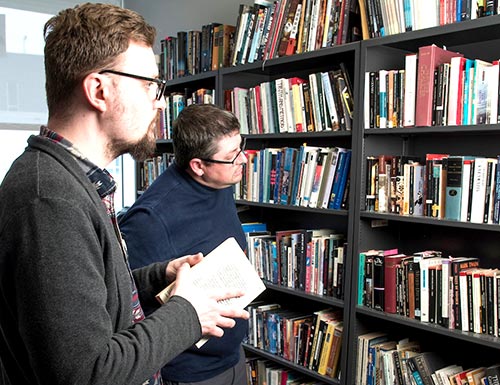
(96, 90)
(197, 166)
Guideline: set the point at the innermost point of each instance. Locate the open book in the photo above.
(224, 267)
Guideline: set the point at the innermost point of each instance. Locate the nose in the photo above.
(243, 157)
(161, 104)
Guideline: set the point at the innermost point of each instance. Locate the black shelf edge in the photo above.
(288, 364)
(402, 131)
(347, 48)
(430, 221)
(466, 28)
(309, 296)
(191, 78)
(475, 338)
(305, 135)
(288, 207)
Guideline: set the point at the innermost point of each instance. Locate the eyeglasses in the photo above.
(161, 84)
(242, 150)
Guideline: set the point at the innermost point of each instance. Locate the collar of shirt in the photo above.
(101, 179)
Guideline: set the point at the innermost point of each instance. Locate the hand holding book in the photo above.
(219, 287)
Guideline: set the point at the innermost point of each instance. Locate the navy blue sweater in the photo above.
(177, 216)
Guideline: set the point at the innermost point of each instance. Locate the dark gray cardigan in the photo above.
(65, 291)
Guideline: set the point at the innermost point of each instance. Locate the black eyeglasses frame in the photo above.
(161, 83)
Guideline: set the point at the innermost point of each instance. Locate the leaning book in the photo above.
(224, 267)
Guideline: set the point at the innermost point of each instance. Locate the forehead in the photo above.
(229, 142)
(139, 59)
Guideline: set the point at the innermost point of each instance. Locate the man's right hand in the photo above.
(213, 316)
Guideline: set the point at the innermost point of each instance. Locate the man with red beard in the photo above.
(71, 306)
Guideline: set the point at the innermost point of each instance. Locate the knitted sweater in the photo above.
(177, 216)
(65, 289)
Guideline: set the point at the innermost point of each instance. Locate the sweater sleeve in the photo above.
(73, 291)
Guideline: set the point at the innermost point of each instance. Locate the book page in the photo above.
(224, 267)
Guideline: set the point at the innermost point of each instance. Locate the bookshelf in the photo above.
(364, 229)
(374, 230)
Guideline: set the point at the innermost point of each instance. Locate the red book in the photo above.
(391, 262)
(429, 58)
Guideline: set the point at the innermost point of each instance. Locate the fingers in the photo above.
(174, 265)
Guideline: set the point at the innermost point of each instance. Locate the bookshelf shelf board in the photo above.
(439, 130)
(194, 79)
(430, 221)
(479, 339)
(292, 208)
(309, 296)
(450, 35)
(291, 365)
(304, 135)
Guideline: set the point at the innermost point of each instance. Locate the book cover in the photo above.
(426, 363)
(225, 266)
(429, 58)
(410, 85)
(454, 187)
(391, 263)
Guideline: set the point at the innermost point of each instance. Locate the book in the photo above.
(429, 58)
(424, 365)
(474, 375)
(391, 262)
(410, 85)
(454, 166)
(224, 267)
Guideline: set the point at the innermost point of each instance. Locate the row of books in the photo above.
(261, 371)
(453, 292)
(323, 101)
(383, 360)
(436, 87)
(194, 51)
(310, 340)
(264, 30)
(310, 176)
(151, 168)
(269, 29)
(444, 186)
(175, 102)
(307, 260)
(383, 17)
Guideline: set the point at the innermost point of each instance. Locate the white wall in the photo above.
(171, 16)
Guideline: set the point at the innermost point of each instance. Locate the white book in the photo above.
(264, 108)
(410, 88)
(308, 176)
(424, 285)
(288, 106)
(318, 126)
(366, 102)
(382, 75)
(280, 103)
(479, 190)
(445, 288)
(492, 100)
(466, 173)
(224, 267)
(464, 311)
(457, 65)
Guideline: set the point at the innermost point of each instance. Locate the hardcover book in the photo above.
(429, 58)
